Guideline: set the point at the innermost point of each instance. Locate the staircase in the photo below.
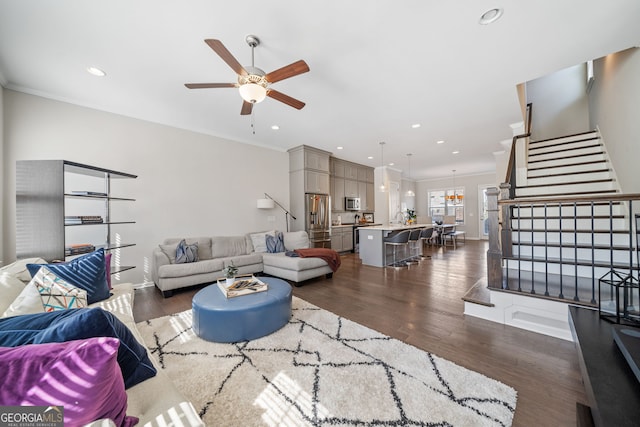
(567, 166)
(567, 228)
(564, 226)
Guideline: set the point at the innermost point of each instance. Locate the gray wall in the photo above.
(560, 104)
(614, 109)
(470, 184)
(188, 184)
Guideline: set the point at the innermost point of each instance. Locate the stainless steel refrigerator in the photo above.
(318, 220)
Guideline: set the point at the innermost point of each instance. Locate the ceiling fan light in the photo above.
(253, 93)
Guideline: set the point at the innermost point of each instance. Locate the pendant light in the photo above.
(409, 192)
(382, 187)
(455, 198)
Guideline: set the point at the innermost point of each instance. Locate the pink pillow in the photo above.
(83, 376)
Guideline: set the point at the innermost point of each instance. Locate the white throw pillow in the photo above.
(19, 268)
(28, 302)
(10, 289)
(296, 240)
(259, 240)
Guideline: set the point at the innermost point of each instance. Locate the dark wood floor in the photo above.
(422, 306)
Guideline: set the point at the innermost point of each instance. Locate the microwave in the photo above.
(352, 203)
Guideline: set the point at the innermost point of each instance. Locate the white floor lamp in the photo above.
(269, 203)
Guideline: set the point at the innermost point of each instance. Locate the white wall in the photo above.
(2, 169)
(470, 184)
(613, 103)
(560, 105)
(188, 184)
(407, 185)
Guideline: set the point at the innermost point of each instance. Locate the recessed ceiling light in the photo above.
(275, 127)
(415, 126)
(491, 16)
(339, 148)
(96, 71)
(455, 152)
(440, 142)
(370, 157)
(391, 164)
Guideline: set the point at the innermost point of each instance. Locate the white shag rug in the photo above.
(323, 370)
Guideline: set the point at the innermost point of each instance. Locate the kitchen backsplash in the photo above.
(346, 217)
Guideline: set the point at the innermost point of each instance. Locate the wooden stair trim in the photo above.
(479, 294)
(553, 202)
(564, 143)
(567, 165)
(551, 175)
(568, 217)
(581, 263)
(584, 284)
(574, 246)
(564, 150)
(567, 230)
(541, 295)
(595, 181)
(562, 137)
(575, 156)
(576, 193)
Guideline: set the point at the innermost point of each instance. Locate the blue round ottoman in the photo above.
(243, 318)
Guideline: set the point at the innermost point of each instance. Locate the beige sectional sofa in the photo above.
(247, 252)
(155, 401)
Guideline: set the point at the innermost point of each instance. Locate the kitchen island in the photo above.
(372, 248)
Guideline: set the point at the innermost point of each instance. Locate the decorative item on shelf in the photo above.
(409, 192)
(411, 216)
(618, 298)
(229, 273)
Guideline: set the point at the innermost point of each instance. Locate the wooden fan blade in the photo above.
(279, 96)
(226, 56)
(209, 85)
(246, 108)
(285, 72)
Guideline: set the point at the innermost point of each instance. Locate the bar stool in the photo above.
(396, 239)
(426, 236)
(414, 237)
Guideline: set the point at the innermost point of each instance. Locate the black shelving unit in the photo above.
(42, 203)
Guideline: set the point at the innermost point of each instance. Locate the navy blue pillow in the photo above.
(86, 272)
(78, 324)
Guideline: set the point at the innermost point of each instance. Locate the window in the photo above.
(449, 202)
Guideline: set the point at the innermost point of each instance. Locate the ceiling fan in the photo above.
(253, 83)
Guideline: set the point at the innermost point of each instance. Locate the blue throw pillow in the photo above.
(186, 253)
(86, 272)
(275, 243)
(78, 324)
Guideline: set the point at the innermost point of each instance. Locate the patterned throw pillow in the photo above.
(186, 253)
(275, 242)
(56, 293)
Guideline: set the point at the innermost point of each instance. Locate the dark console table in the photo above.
(612, 388)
